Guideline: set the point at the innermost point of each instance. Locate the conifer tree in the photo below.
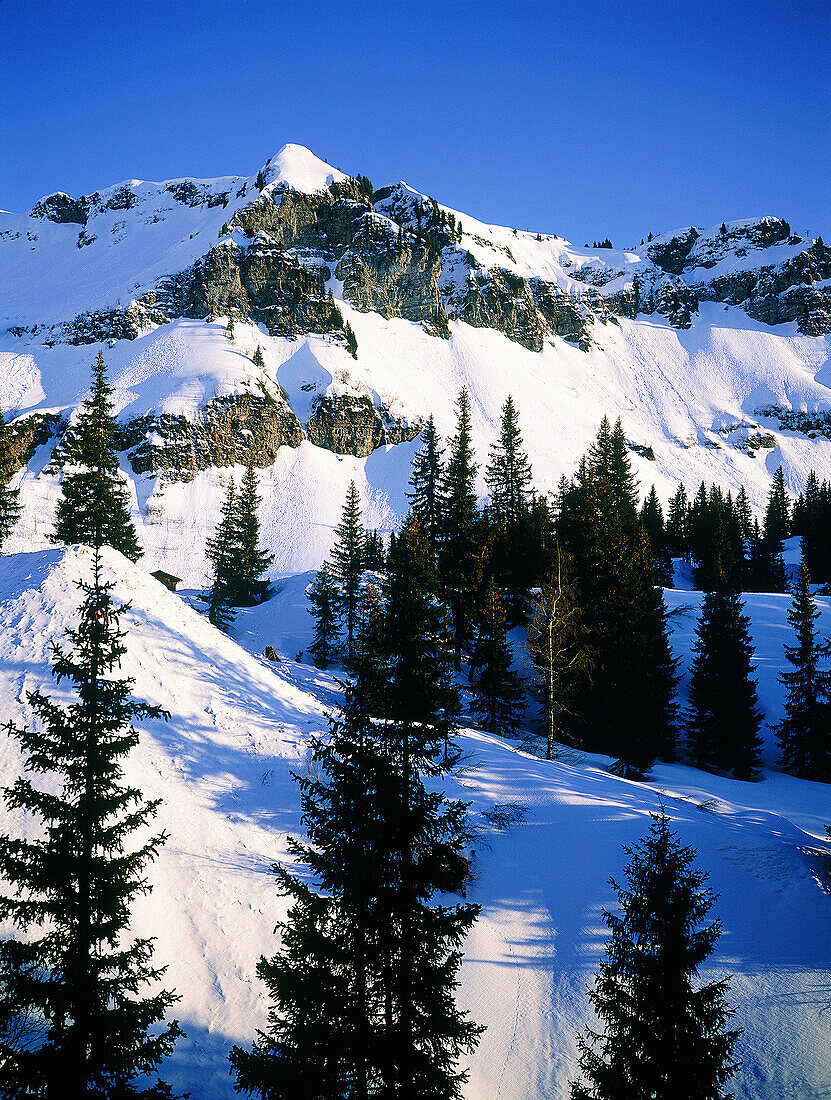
(348, 564)
(804, 733)
(324, 598)
(777, 513)
(652, 521)
(363, 986)
(724, 719)
(458, 554)
(663, 1037)
(498, 693)
(220, 550)
(83, 975)
(508, 478)
(258, 359)
(351, 341)
(677, 528)
(94, 505)
(10, 507)
(249, 585)
(426, 485)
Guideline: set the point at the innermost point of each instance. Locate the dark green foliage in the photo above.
(662, 1037)
(812, 520)
(10, 506)
(237, 562)
(351, 341)
(324, 598)
(622, 699)
(82, 975)
(804, 733)
(499, 699)
(348, 562)
(778, 511)
(258, 359)
(374, 555)
(724, 719)
(426, 485)
(362, 989)
(220, 550)
(677, 527)
(94, 507)
(459, 563)
(421, 691)
(508, 478)
(652, 521)
(250, 586)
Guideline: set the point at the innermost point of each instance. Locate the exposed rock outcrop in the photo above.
(353, 425)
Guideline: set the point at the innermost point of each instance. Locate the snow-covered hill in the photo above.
(238, 726)
(705, 342)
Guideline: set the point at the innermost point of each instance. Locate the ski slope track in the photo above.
(239, 725)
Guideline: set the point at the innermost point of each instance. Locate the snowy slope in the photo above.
(693, 396)
(238, 726)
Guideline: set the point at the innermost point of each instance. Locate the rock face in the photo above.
(228, 431)
(758, 265)
(27, 433)
(352, 425)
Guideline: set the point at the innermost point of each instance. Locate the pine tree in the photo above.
(778, 512)
(724, 719)
(426, 485)
(662, 1037)
(347, 562)
(804, 734)
(82, 976)
(498, 692)
(677, 529)
(221, 550)
(10, 506)
(94, 505)
(652, 521)
(258, 359)
(508, 478)
(324, 599)
(458, 553)
(363, 987)
(351, 341)
(249, 585)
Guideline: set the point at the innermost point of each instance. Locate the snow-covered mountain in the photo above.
(713, 347)
(221, 765)
(711, 344)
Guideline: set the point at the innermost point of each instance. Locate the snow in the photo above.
(239, 725)
(298, 168)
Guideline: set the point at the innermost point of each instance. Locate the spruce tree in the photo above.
(249, 585)
(348, 563)
(82, 975)
(324, 599)
(458, 554)
(652, 521)
(508, 478)
(664, 1036)
(724, 719)
(499, 698)
(426, 485)
(10, 506)
(221, 552)
(777, 513)
(804, 734)
(258, 359)
(94, 507)
(362, 988)
(677, 527)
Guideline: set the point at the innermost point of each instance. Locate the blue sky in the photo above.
(587, 118)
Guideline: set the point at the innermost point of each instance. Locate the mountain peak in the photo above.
(297, 167)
